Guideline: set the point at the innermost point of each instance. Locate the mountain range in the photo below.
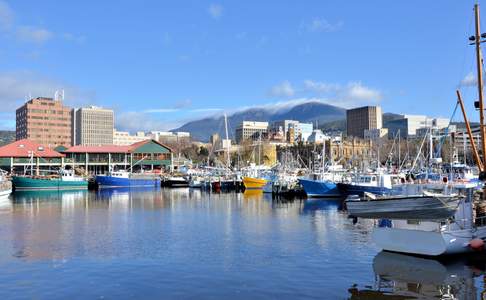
(325, 115)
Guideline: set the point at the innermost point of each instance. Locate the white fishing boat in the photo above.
(426, 206)
(5, 185)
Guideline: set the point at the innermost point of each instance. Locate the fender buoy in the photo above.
(476, 244)
(444, 179)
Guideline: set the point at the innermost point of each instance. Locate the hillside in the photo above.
(6, 137)
(310, 112)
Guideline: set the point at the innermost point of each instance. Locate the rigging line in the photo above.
(446, 133)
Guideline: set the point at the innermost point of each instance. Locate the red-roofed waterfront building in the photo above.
(24, 155)
(146, 155)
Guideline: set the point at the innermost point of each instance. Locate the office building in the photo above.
(44, 120)
(413, 125)
(93, 126)
(124, 138)
(169, 137)
(363, 118)
(251, 130)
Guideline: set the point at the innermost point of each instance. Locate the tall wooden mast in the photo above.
(479, 62)
(477, 159)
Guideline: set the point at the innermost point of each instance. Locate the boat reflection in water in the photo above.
(314, 204)
(400, 276)
(27, 197)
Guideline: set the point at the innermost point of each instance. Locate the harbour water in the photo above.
(181, 243)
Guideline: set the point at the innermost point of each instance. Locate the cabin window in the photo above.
(413, 222)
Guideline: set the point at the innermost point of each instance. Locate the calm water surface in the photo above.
(184, 244)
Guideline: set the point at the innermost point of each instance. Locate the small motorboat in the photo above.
(427, 206)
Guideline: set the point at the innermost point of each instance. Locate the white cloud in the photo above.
(350, 94)
(283, 89)
(183, 103)
(15, 88)
(469, 80)
(29, 33)
(357, 91)
(321, 25)
(319, 87)
(79, 39)
(34, 35)
(139, 121)
(205, 110)
(6, 16)
(215, 10)
(160, 110)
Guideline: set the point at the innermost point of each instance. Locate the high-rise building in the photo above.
(251, 130)
(93, 126)
(44, 120)
(363, 118)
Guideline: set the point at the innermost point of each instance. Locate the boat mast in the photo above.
(228, 162)
(477, 159)
(479, 62)
(399, 160)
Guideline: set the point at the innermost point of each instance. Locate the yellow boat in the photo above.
(254, 183)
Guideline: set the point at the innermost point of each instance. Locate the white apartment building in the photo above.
(92, 126)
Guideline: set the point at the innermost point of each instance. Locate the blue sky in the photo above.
(161, 63)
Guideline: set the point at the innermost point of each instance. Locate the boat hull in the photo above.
(429, 243)
(5, 193)
(106, 181)
(176, 183)
(27, 183)
(251, 183)
(347, 189)
(405, 208)
(317, 188)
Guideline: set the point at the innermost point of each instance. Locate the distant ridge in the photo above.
(6, 137)
(309, 112)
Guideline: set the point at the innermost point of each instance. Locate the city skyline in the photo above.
(170, 63)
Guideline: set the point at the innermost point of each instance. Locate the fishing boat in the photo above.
(254, 183)
(63, 180)
(427, 206)
(5, 185)
(375, 183)
(176, 181)
(124, 178)
(319, 188)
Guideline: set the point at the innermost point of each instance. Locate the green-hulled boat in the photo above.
(65, 181)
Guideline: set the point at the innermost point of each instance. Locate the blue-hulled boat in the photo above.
(319, 188)
(127, 179)
(378, 184)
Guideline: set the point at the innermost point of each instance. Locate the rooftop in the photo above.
(24, 148)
